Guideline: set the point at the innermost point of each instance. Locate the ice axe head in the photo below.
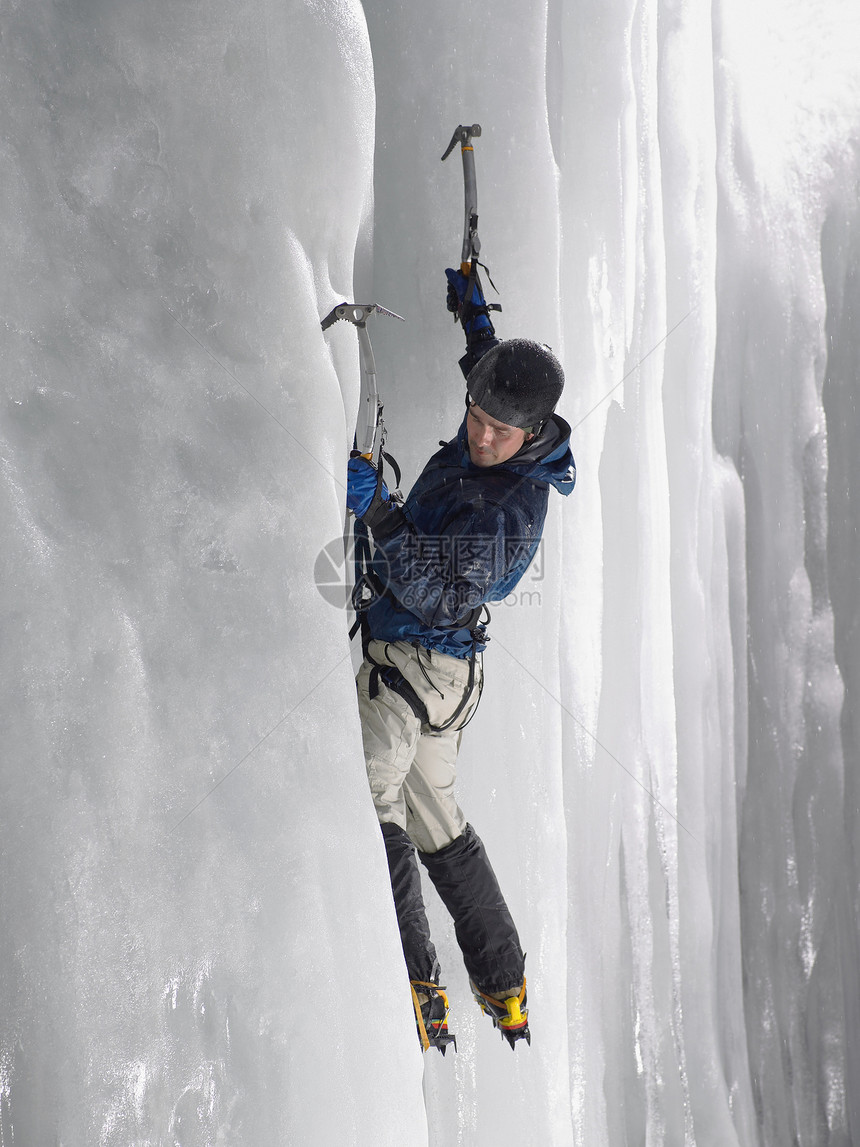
(356, 313)
(463, 136)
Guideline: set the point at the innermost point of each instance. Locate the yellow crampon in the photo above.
(516, 1017)
(419, 1019)
(438, 1036)
(508, 1015)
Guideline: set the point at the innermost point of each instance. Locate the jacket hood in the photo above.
(547, 457)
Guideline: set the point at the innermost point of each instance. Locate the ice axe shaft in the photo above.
(469, 262)
(368, 427)
(471, 242)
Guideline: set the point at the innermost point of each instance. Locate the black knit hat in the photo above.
(518, 382)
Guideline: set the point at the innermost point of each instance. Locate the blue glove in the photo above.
(363, 484)
(473, 315)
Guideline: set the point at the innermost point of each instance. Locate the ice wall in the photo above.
(716, 142)
(651, 762)
(788, 169)
(840, 260)
(196, 926)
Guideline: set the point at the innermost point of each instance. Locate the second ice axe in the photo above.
(369, 427)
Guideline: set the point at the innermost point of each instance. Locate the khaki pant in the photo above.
(411, 769)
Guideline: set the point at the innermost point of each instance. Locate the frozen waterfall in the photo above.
(198, 945)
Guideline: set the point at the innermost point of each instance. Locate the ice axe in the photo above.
(369, 442)
(369, 427)
(471, 248)
(471, 242)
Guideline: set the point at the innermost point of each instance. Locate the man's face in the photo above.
(491, 441)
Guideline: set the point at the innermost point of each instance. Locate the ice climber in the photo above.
(464, 536)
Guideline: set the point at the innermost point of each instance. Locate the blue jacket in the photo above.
(466, 537)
